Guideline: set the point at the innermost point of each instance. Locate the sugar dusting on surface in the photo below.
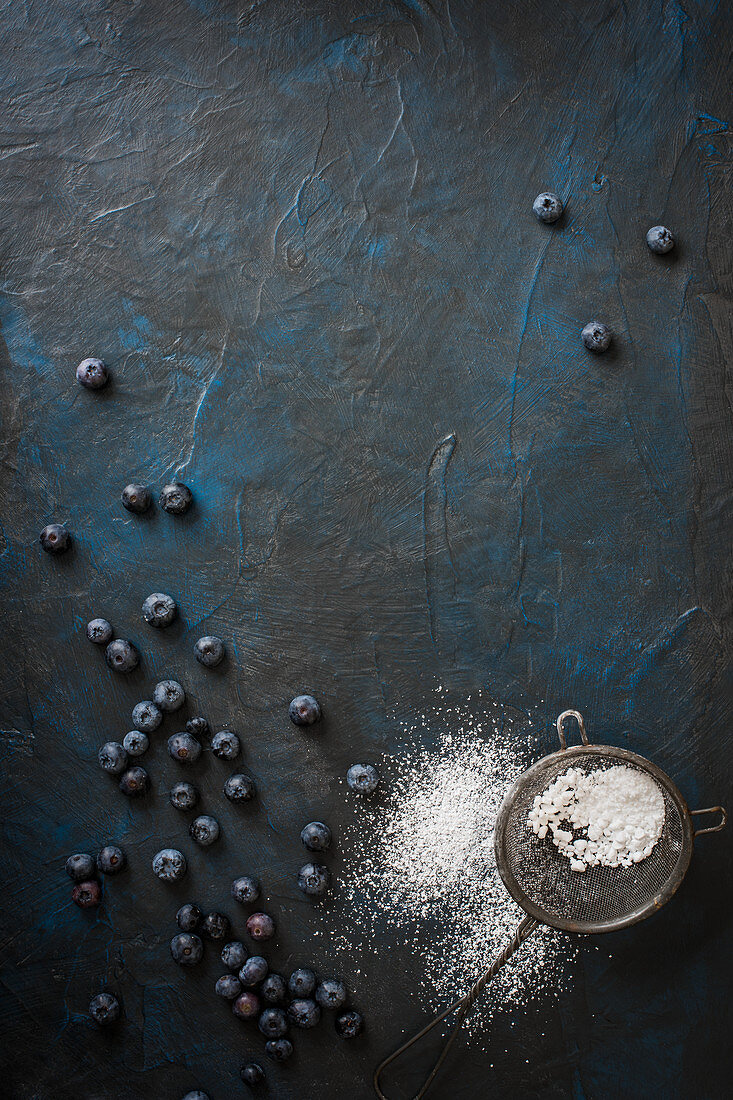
(420, 867)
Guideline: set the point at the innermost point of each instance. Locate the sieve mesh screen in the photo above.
(599, 894)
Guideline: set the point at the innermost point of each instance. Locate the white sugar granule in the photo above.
(612, 816)
(420, 866)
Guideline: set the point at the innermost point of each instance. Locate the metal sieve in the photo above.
(541, 881)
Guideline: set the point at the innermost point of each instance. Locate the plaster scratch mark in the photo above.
(118, 209)
(437, 556)
(515, 376)
(199, 405)
(11, 150)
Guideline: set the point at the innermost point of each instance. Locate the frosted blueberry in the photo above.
(112, 758)
(204, 830)
(261, 926)
(136, 498)
(176, 498)
(246, 1006)
(273, 1023)
(547, 207)
(228, 987)
(215, 926)
(245, 889)
(302, 982)
(209, 651)
(316, 836)
(253, 971)
(188, 917)
(121, 655)
(349, 1025)
(660, 239)
(273, 989)
(225, 744)
(169, 864)
(136, 743)
(596, 336)
(278, 1049)
(187, 948)
(80, 867)
(184, 748)
(234, 955)
(146, 716)
(239, 788)
(99, 631)
(363, 778)
(111, 860)
(183, 796)
(87, 895)
(314, 879)
(55, 539)
(104, 1009)
(331, 993)
(92, 374)
(304, 710)
(134, 782)
(252, 1074)
(304, 1013)
(168, 695)
(159, 609)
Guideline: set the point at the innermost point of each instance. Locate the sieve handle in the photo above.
(581, 726)
(712, 828)
(463, 1005)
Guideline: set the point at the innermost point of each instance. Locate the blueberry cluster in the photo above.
(83, 870)
(549, 208)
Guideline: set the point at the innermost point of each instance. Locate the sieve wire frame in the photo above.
(512, 816)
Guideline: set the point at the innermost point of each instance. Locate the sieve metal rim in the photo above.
(566, 755)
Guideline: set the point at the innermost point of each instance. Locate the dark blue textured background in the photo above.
(300, 234)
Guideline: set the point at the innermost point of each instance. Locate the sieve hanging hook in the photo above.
(581, 726)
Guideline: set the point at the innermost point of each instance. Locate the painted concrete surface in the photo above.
(301, 236)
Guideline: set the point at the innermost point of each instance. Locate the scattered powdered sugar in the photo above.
(617, 814)
(420, 868)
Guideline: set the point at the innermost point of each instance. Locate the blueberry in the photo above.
(234, 955)
(188, 917)
(331, 993)
(183, 796)
(184, 748)
(316, 836)
(136, 498)
(245, 889)
(175, 498)
(253, 971)
(215, 926)
(87, 895)
(204, 830)
(314, 879)
(304, 1013)
(111, 860)
(547, 207)
(349, 1024)
(246, 1006)
(135, 743)
(121, 655)
(134, 782)
(92, 374)
(168, 695)
(159, 609)
(302, 982)
(187, 949)
(228, 987)
(261, 926)
(278, 1049)
(225, 744)
(273, 1023)
(112, 758)
(252, 1074)
(304, 710)
(240, 788)
(80, 866)
(99, 631)
(196, 1094)
(273, 989)
(660, 239)
(596, 336)
(55, 539)
(363, 778)
(209, 651)
(146, 717)
(169, 864)
(104, 1009)
(199, 727)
